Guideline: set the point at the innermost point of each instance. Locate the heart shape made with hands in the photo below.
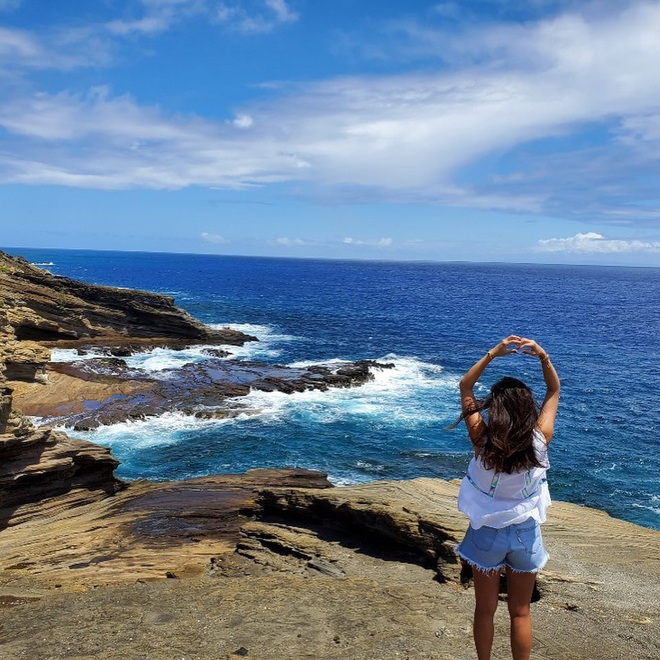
(523, 345)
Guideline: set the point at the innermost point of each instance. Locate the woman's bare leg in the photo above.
(486, 593)
(519, 598)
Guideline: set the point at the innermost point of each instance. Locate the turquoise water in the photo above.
(432, 321)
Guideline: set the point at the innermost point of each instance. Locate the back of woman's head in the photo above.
(508, 442)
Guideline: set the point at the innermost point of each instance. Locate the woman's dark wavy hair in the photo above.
(507, 444)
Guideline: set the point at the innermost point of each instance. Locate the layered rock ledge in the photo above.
(40, 306)
(37, 308)
(282, 565)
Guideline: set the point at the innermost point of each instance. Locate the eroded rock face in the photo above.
(279, 563)
(40, 463)
(144, 532)
(40, 306)
(24, 360)
(5, 407)
(37, 306)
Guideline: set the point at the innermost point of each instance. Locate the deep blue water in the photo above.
(432, 320)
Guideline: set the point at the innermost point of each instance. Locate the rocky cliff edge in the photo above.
(39, 309)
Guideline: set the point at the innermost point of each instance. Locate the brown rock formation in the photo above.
(41, 463)
(288, 571)
(88, 393)
(37, 306)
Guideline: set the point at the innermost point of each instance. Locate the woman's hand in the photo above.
(530, 347)
(509, 344)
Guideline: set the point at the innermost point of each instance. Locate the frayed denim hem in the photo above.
(489, 571)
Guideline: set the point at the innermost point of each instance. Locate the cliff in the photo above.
(36, 464)
(37, 306)
(39, 310)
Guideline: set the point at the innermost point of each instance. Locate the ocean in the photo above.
(432, 321)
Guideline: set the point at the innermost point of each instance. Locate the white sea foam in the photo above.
(412, 393)
(653, 503)
(152, 361)
(647, 507)
(164, 359)
(267, 346)
(161, 359)
(392, 397)
(336, 480)
(152, 432)
(370, 466)
(71, 354)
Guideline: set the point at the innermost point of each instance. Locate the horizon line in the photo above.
(8, 249)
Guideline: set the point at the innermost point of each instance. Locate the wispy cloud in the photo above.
(255, 17)
(244, 16)
(67, 47)
(216, 239)
(149, 17)
(377, 243)
(509, 97)
(60, 48)
(146, 25)
(594, 243)
(293, 242)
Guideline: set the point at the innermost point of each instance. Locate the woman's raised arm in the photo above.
(546, 422)
(473, 419)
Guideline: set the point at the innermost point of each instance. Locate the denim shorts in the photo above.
(520, 547)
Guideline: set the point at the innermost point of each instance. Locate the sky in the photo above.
(482, 130)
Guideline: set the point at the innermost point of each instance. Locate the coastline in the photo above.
(275, 562)
(414, 317)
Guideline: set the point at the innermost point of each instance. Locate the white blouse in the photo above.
(498, 499)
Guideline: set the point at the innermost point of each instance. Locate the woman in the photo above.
(505, 493)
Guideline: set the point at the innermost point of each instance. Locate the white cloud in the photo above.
(160, 15)
(378, 243)
(61, 49)
(243, 121)
(255, 17)
(126, 146)
(594, 243)
(283, 12)
(18, 42)
(146, 25)
(217, 239)
(289, 242)
(96, 43)
(405, 138)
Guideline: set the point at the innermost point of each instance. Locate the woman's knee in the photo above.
(519, 610)
(485, 608)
